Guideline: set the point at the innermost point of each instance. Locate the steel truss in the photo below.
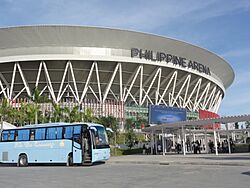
(162, 85)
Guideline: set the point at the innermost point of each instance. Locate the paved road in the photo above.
(126, 175)
(236, 159)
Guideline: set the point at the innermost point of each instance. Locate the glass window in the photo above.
(51, 133)
(68, 132)
(77, 129)
(59, 133)
(101, 137)
(40, 134)
(32, 134)
(23, 135)
(5, 135)
(11, 135)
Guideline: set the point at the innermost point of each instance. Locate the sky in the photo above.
(221, 26)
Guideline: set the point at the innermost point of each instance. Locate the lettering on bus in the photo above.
(35, 144)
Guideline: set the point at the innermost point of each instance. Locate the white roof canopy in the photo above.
(199, 122)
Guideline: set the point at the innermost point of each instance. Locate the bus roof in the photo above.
(58, 124)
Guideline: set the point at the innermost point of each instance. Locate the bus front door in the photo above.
(86, 148)
(76, 149)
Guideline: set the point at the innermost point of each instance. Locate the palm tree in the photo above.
(37, 98)
(58, 113)
(3, 112)
(75, 115)
(31, 113)
(12, 115)
(88, 115)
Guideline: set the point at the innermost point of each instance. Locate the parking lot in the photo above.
(126, 175)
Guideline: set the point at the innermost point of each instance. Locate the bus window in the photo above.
(40, 134)
(11, 135)
(23, 135)
(59, 133)
(77, 129)
(5, 135)
(32, 134)
(51, 133)
(68, 132)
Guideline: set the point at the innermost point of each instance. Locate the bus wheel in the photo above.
(22, 161)
(70, 160)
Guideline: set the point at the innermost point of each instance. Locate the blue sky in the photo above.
(221, 26)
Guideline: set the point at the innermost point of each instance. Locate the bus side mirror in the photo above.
(109, 129)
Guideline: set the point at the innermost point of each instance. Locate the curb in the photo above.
(179, 163)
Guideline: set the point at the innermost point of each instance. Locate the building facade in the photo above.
(110, 70)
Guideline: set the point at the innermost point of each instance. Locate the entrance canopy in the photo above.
(199, 122)
(163, 128)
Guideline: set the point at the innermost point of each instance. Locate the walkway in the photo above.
(242, 159)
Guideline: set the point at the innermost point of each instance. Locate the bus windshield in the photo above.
(101, 137)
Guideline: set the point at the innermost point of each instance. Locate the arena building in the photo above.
(115, 72)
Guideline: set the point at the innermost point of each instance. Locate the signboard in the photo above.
(169, 58)
(161, 114)
(204, 114)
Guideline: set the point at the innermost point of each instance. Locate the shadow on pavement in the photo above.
(227, 158)
(246, 173)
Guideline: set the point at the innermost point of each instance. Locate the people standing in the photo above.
(147, 148)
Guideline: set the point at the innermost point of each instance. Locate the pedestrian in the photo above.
(159, 148)
(143, 149)
(178, 147)
(147, 148)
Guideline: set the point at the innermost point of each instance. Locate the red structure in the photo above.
(204, 114)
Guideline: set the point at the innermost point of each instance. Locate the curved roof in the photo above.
(79, 36)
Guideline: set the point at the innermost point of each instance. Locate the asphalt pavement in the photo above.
(177, 171)
(235, 159)
(126, 176)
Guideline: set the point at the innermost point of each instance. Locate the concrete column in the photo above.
(219, 136)
(183, 141)
(215, 142)
(152, 142)
(194, 136)
(206, 144)
(174, 140)
(156, 141)
(228, 140)
(163, 142)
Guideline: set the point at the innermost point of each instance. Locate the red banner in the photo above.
(204, 114)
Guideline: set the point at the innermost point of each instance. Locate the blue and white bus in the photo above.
(66, 143)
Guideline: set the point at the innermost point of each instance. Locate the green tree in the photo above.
(130, 138)
(129, 124)
(88, 116)
(12, 115)
(31, 113)
(75, 115)
(3, 113)
(22, 115)
(37, 98)
(57, 113)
